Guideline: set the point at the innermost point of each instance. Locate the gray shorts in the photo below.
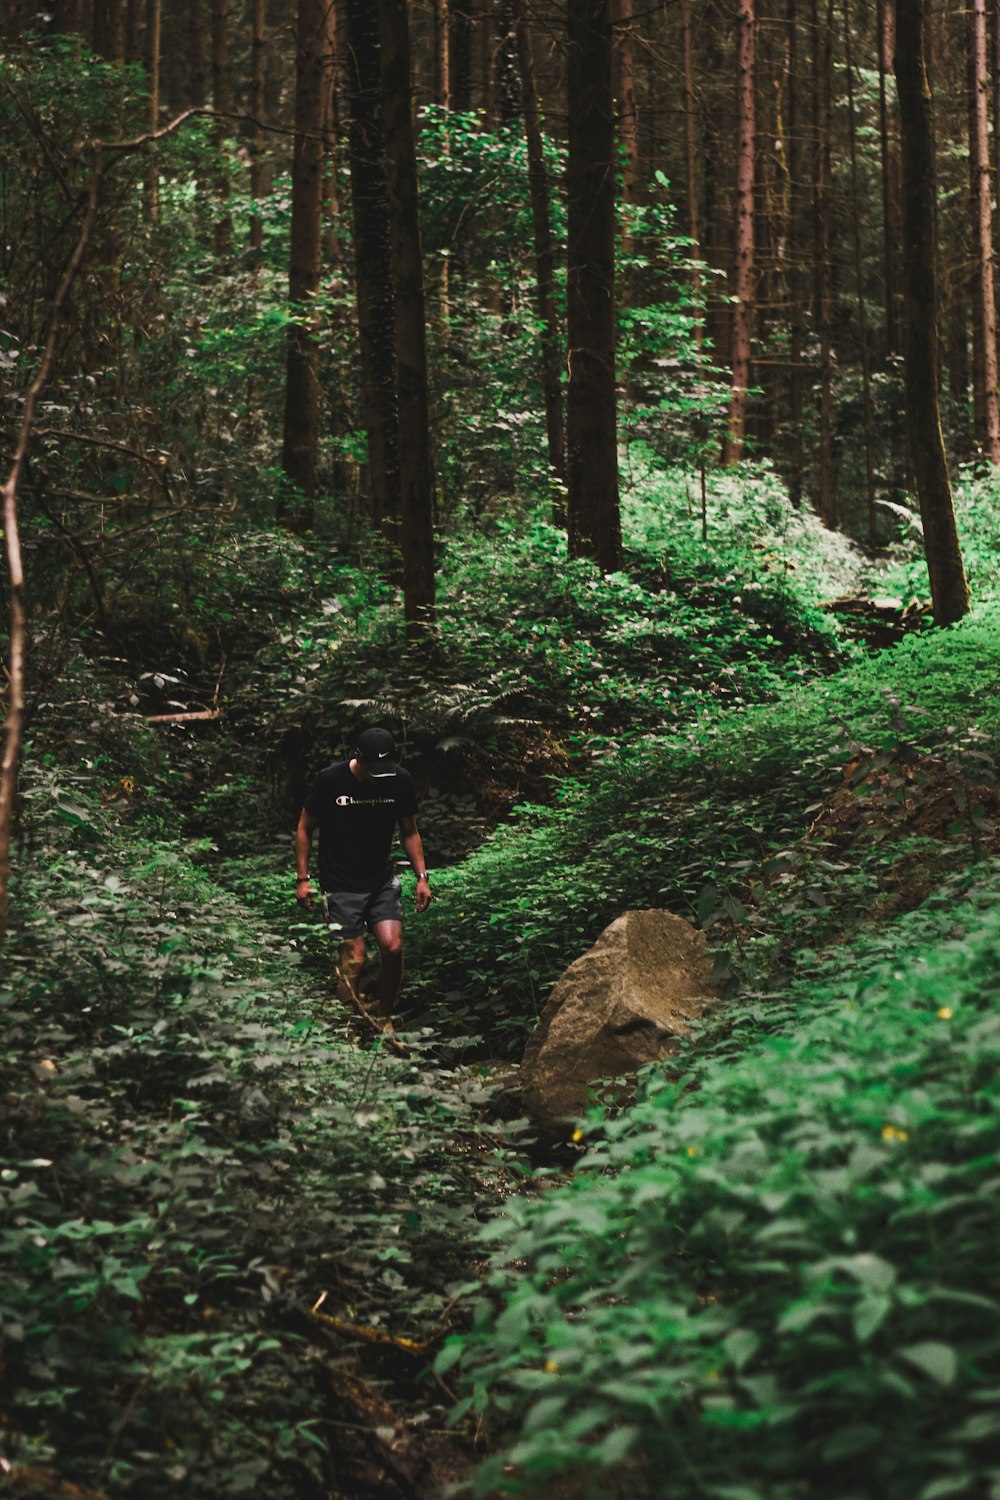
(350, 912)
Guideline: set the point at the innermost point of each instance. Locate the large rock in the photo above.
(624, 1003)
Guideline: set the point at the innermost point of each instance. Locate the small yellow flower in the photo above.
(891, 1133)
(577, 1134)
(693, 1151)
(550, 1367)
(946, 1012)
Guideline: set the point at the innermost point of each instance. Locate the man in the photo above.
(356, 805)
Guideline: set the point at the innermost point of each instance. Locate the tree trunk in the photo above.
(744, 278)
(949, 590)
(856, 219)
(301, 443)
(822, 88)
(415, 469)
(591, 431)
(442, 54)
(691, 156)
(372, 274)
(222, 101)
(151, 195)
(194, 48)
(258, 96)
(985, 314)
(884, 24)
(793, 256)
(544, 258)
(460, 13)
(331, 131)
(627, 109)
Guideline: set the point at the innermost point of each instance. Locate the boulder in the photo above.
(624, 1003)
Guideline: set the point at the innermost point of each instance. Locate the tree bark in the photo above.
(884, 25)
(691, 158)
(627, 108)
(591, 429)
(372, 273)
(822, 88)
(151, 196)
(222, 102)
(856, 218)
(301, 440)
(949, 589)
(415, 469)
(986, 311)
(258, 106)
(544, 258)
(744, 278)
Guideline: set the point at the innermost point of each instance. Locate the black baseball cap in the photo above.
(377, 752)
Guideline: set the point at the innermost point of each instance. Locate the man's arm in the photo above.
(409, 837)
(307, 825)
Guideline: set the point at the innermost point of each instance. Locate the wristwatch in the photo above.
(422, 875)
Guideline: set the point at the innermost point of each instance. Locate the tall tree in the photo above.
(985, 313)
(591, 410)
(949, 589)
(222, 103)
(691, 159)
(258, 96)
(884, 23)
(416, 484)
(301, 440)
(744, 278)
(152, 59)
(823, 258)
(627, 107)
(544, 254)
(862, 304)
(372, 272)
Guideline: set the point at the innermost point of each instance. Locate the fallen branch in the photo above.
(186, 717)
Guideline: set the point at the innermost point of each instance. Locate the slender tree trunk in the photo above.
(151, 204)
(793, 257)
(195, 50)
(544, 258)
(442, 54)
(331, 131)
(691, 156)
(884, 23)
(415, 469)
(949, 589)
(627, 109)
(986, 312)
(372, 273)
(744, 279)
(258, 106)
(856, 219)
(822, 86)
(301, 443)
(591, 427)
(222, 101)
(460, 14)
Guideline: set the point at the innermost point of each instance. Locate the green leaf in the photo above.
(937, 1360)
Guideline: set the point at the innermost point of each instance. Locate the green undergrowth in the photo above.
(774, 1276)
(192, 1155)
(679, 821)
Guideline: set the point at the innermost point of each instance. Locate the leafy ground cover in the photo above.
(775, 1275)
(680, 821)
(193, 1154)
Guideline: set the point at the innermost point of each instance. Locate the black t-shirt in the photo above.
(357, 820)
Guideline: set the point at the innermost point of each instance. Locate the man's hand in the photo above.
(305, 895)
(424, 894)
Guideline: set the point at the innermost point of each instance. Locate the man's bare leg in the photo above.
(349, 966)
(389, 936)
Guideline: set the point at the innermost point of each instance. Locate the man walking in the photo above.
(356, 805)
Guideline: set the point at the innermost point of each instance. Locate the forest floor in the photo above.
(252, 1251)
